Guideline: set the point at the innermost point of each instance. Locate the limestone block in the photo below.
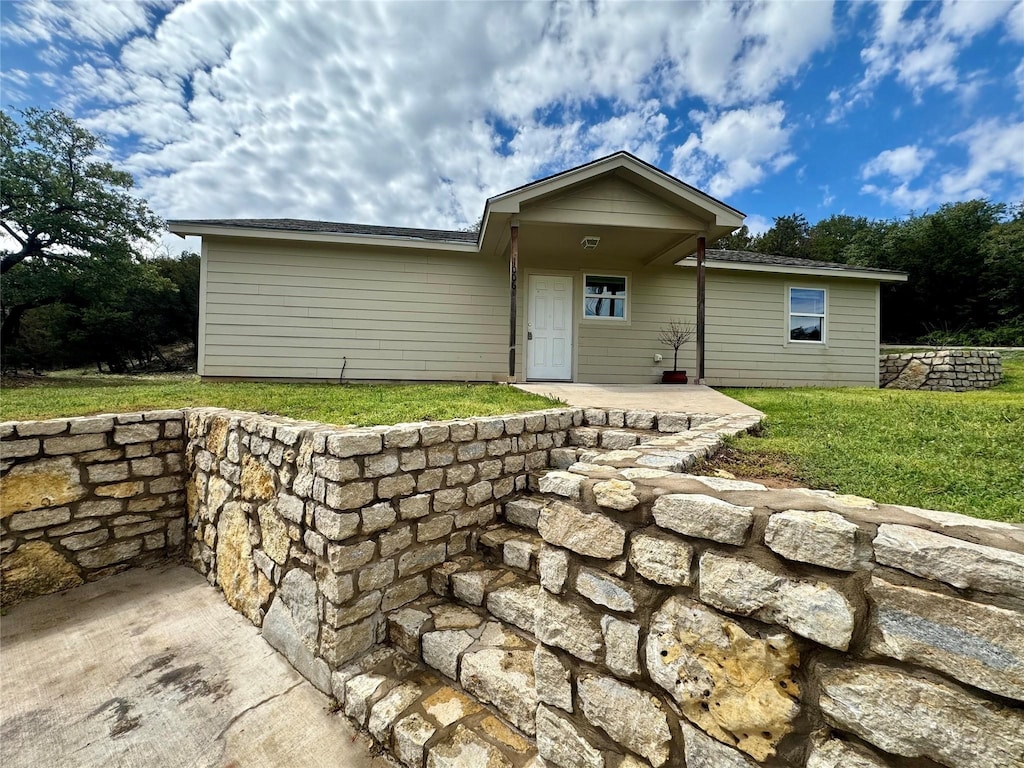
(618, 440)
(359, 694)
(622, 646)
(453, 616)
(291, 626)
(47, 427)
(616, 494)
(40, 484)
(459, 474)
(673, 422)
(335, 526)
(381, 465)
(702, 751)
(18, 449)
(441, 650)
(466, 749)
(471, 586)
(56, 446)
(978, 644)
(354, 443)
(440, 455)
(462, 431)
(376, 575)
(504, 679)
(569, 627)
(399, 485)
(420, 559)
(433, 434)
(813, 609)
(338, 646)
(914, 717)
(553, 565)
(595, 535)
(472, 451)
(447, 705)
(585, 437)
(384, 713)
(706, 517)
(257, 479)
(633, 718)
(395, 540)
(661, 558)
(737, 687)
(449, 499)
(727, 484)
(39, 518)
(839, 754)
(515, 604)
(110, 554)
(961, 563)
(413, 507)
(349, 496)
(490, 470)
(561, 744)
(479, 493)
(412, 460)
(409, 737)
(518, 553)
(377, 517)
(108, 473)
(404, 629)
(821, 538)
(336, 587)
(274, 538)
(434, 527)
(403, 592)
(499, 447)
(344, 558)
(551, 679)
(336, 470)
(604, 589)
(150, 467)
(142, 433)
(35, 568)
(236, 572)
(489, 429)
(561, 484)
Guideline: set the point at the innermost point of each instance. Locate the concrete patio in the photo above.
(153, 668)
(685, 398)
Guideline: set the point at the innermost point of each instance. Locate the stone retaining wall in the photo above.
(719, 623)
(315, 532)
(86, 497)
(949, 370)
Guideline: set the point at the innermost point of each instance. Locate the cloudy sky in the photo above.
(413, 113)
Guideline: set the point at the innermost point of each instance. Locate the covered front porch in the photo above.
(592, 256)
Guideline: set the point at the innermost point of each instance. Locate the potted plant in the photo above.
(675, 335)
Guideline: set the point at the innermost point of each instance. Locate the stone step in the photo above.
(410, 709)
(491, 660)
(524, 512)
(609, 438)
(505, 594)
(511, 545)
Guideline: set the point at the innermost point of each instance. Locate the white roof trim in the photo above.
(780, 269)
(322, 237)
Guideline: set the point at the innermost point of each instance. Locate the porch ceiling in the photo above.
(551, 242)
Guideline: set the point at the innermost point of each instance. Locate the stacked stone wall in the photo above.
(316, 532)
(86, 497)
(712, 622)
(948, 370)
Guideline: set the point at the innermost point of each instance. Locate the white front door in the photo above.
(549, 328)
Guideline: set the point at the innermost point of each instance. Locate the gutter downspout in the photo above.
(513, 280)
(701, 296)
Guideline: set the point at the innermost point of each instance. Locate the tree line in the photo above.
(79, 285)
(965, 266)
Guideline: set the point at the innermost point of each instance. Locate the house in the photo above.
(570, 278)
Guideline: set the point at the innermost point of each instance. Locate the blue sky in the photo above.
(413, 113)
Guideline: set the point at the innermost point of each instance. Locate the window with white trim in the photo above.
(604, 297)
(807, 315)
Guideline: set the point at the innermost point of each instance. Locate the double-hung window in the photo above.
(807, 315)
(604, 297)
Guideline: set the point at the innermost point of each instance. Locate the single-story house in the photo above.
(570, 278)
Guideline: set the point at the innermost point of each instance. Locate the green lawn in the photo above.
(363, 404)
(962, 452)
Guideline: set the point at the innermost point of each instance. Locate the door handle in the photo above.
(529, 335)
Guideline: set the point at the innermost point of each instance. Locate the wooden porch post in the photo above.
(513, 279)
(701, 246)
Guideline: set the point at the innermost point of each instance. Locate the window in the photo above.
(807, 314)
(604, 296)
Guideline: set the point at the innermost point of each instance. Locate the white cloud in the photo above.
(994, 163)
(734, 149)
(757, 224)
(904, 163)
(354, 111)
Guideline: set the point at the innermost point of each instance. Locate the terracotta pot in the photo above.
(674, 377)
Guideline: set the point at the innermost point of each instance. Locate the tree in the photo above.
(66, 210)
(789, 236)
(737, 241)
(676, 334)
(830, 238)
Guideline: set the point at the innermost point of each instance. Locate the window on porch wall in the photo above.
(604, 296)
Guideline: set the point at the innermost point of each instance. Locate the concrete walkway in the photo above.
(153, 668)
(682, 398)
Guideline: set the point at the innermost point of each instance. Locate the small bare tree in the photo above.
(676, 334)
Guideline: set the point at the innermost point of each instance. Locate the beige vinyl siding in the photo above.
(275, 309)
(747, 333)
(609, 202)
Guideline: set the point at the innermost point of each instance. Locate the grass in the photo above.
(961, 452)
(362, 404)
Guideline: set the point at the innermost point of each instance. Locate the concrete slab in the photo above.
(153, 668)
(673, 398)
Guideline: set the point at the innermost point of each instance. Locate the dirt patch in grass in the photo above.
(768, 468)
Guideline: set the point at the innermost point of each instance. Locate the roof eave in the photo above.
(858, 274)
(186, 228)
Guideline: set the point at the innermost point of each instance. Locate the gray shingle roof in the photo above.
(335, 227)
(750, 257)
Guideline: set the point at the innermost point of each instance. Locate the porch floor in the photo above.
(153, 667)
(681, 398)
